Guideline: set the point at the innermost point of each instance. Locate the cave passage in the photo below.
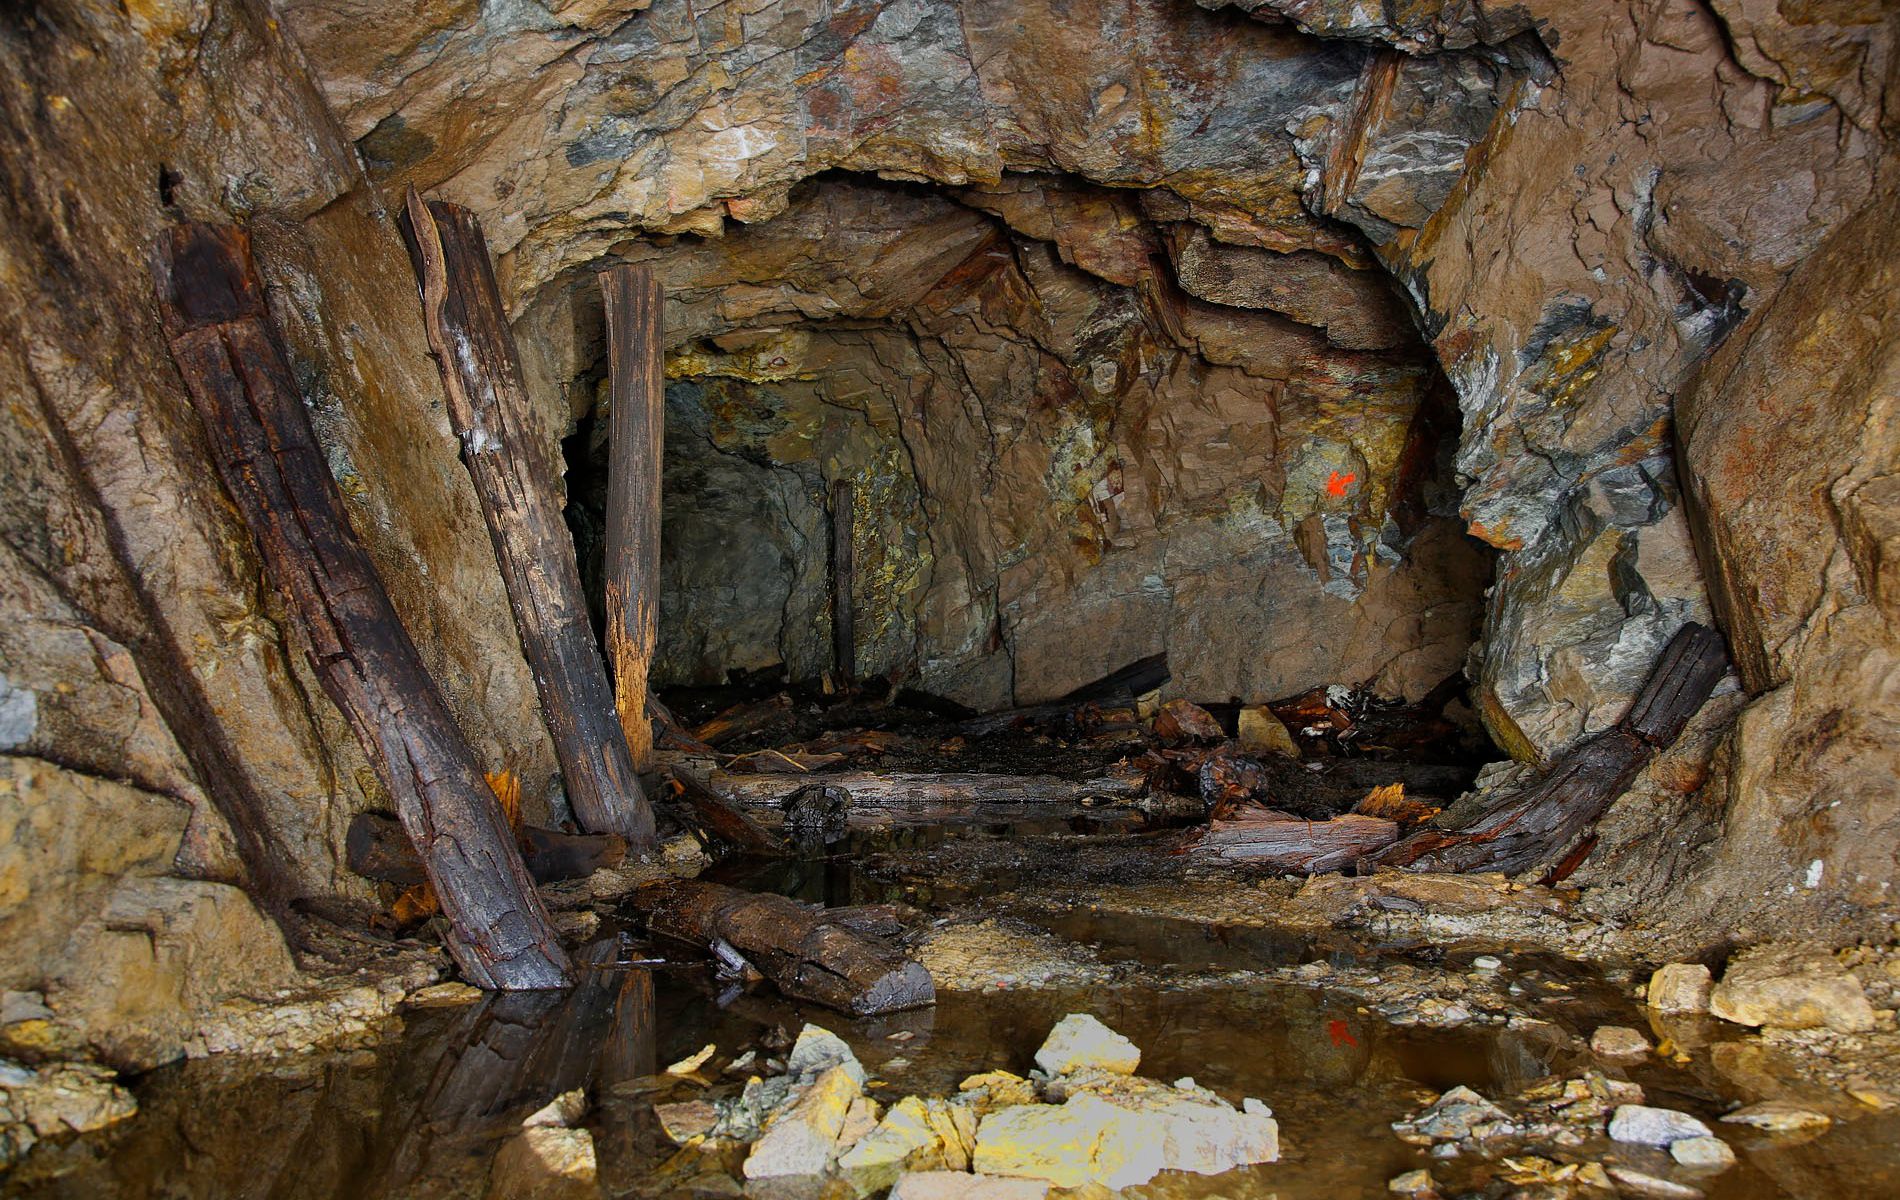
(1220, 599)
(1052, 480)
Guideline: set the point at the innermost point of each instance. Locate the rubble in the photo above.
(1083, 1119)
(1680, 988)
(1791, 986)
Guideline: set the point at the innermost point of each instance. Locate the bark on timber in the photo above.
(912, 789)
(1541, 822)
(267, 455)
(803, 951)
(378, 849)
(488, 406)
(637, 423)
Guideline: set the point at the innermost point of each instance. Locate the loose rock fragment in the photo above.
(545, 1163)
(959, 1185)
(1778, 1116)
(1791, 986)
(1079, 1041)
(802, 1140)
(1648, 1126)
(1704, 1153)
(1680, 988)
(1618, 1042)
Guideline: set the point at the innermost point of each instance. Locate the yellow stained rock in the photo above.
(801, 1139)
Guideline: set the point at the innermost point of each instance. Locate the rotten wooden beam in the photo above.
(717, 823)
(260, 438)
(844, 637)
(949, 790)
(1286, 843)
(377, 848)
(636, 427)
(489, 409)
(803, 951)
(1539, 824)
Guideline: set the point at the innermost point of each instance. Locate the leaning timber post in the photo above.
(844, 637)
(488, 406)
(636, 424)
(267, 455)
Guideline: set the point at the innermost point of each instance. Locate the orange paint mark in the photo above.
(1336, 486)
(1341, 1035)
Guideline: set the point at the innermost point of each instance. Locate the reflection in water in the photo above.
(425, 1115)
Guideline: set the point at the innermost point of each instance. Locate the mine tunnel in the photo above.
(866, 600)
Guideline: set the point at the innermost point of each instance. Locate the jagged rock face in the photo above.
(1583, 201)
(1089, 300)
(1056, 474)
(161, 739)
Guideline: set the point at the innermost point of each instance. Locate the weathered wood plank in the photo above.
(801, 950)
(717, 823)
(267, 455)
(915, 789)
(489, 409)
(377, 848)
(1536, 825)
(1290, 844)
(636, 428)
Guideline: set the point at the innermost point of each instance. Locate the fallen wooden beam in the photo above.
(1295, 846)
(377, 848)
(1536, 826)
(804, 952)
(259, 435)
(915, 789)
(636, 425)
(716, 823)
(1121, 686)
(489, 408)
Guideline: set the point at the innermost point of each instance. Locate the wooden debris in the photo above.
(802, 950)
(716, 823)
(910, 789)
(636, 423)
(745, 719)
(377, 848)
(488, 406)
(1390, 801)
(1289, 844)
(668, 733)
(1539, 824)
(1180, 722)
(259, 435)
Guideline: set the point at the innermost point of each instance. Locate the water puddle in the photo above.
(424, 1114)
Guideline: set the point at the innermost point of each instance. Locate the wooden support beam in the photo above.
(260, 437)
(636, 429)
(376, 848)
(844, 571)
(489, 409)
(1537, 825)
(806, 953)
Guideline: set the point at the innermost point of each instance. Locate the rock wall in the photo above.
(1582, 201)
(145, 671)
(1058, 471)
(1092, 302)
